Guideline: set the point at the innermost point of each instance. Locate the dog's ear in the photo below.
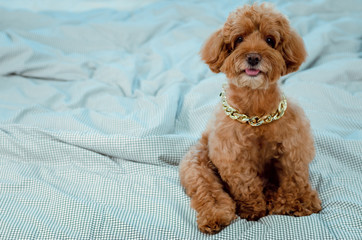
(293, 52)
(214, 51)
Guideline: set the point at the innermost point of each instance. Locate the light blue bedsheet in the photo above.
(99, 101)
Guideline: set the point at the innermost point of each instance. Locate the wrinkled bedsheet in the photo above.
(99, 101)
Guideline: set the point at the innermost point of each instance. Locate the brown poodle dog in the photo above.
(252, 160)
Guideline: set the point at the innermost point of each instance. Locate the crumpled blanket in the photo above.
(99, 101)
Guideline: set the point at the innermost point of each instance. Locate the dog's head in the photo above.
(255, 47)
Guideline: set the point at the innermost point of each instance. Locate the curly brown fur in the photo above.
(239, 169)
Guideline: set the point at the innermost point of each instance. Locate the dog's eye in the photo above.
(270, 41)
(239, 40)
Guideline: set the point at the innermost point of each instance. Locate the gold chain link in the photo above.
(255, 120)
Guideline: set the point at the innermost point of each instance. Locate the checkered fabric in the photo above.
(99, 101)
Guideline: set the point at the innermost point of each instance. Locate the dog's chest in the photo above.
(238, 140)
(268, 149)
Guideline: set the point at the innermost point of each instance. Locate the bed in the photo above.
(99, 101)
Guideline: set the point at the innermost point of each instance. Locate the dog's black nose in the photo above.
(253, 59)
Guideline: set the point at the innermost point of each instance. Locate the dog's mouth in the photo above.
(252, 72)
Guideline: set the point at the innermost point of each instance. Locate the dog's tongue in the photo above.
(252, 72)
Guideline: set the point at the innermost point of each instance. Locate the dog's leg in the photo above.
(246, 188)
(215, 208)
(239, 168)
(295, 195)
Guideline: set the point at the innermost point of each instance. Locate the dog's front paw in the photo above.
(253, 210)
(214, 220)
(252, 216)
(308, 204)
(305, 205)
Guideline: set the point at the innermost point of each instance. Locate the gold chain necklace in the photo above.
(255, 120)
